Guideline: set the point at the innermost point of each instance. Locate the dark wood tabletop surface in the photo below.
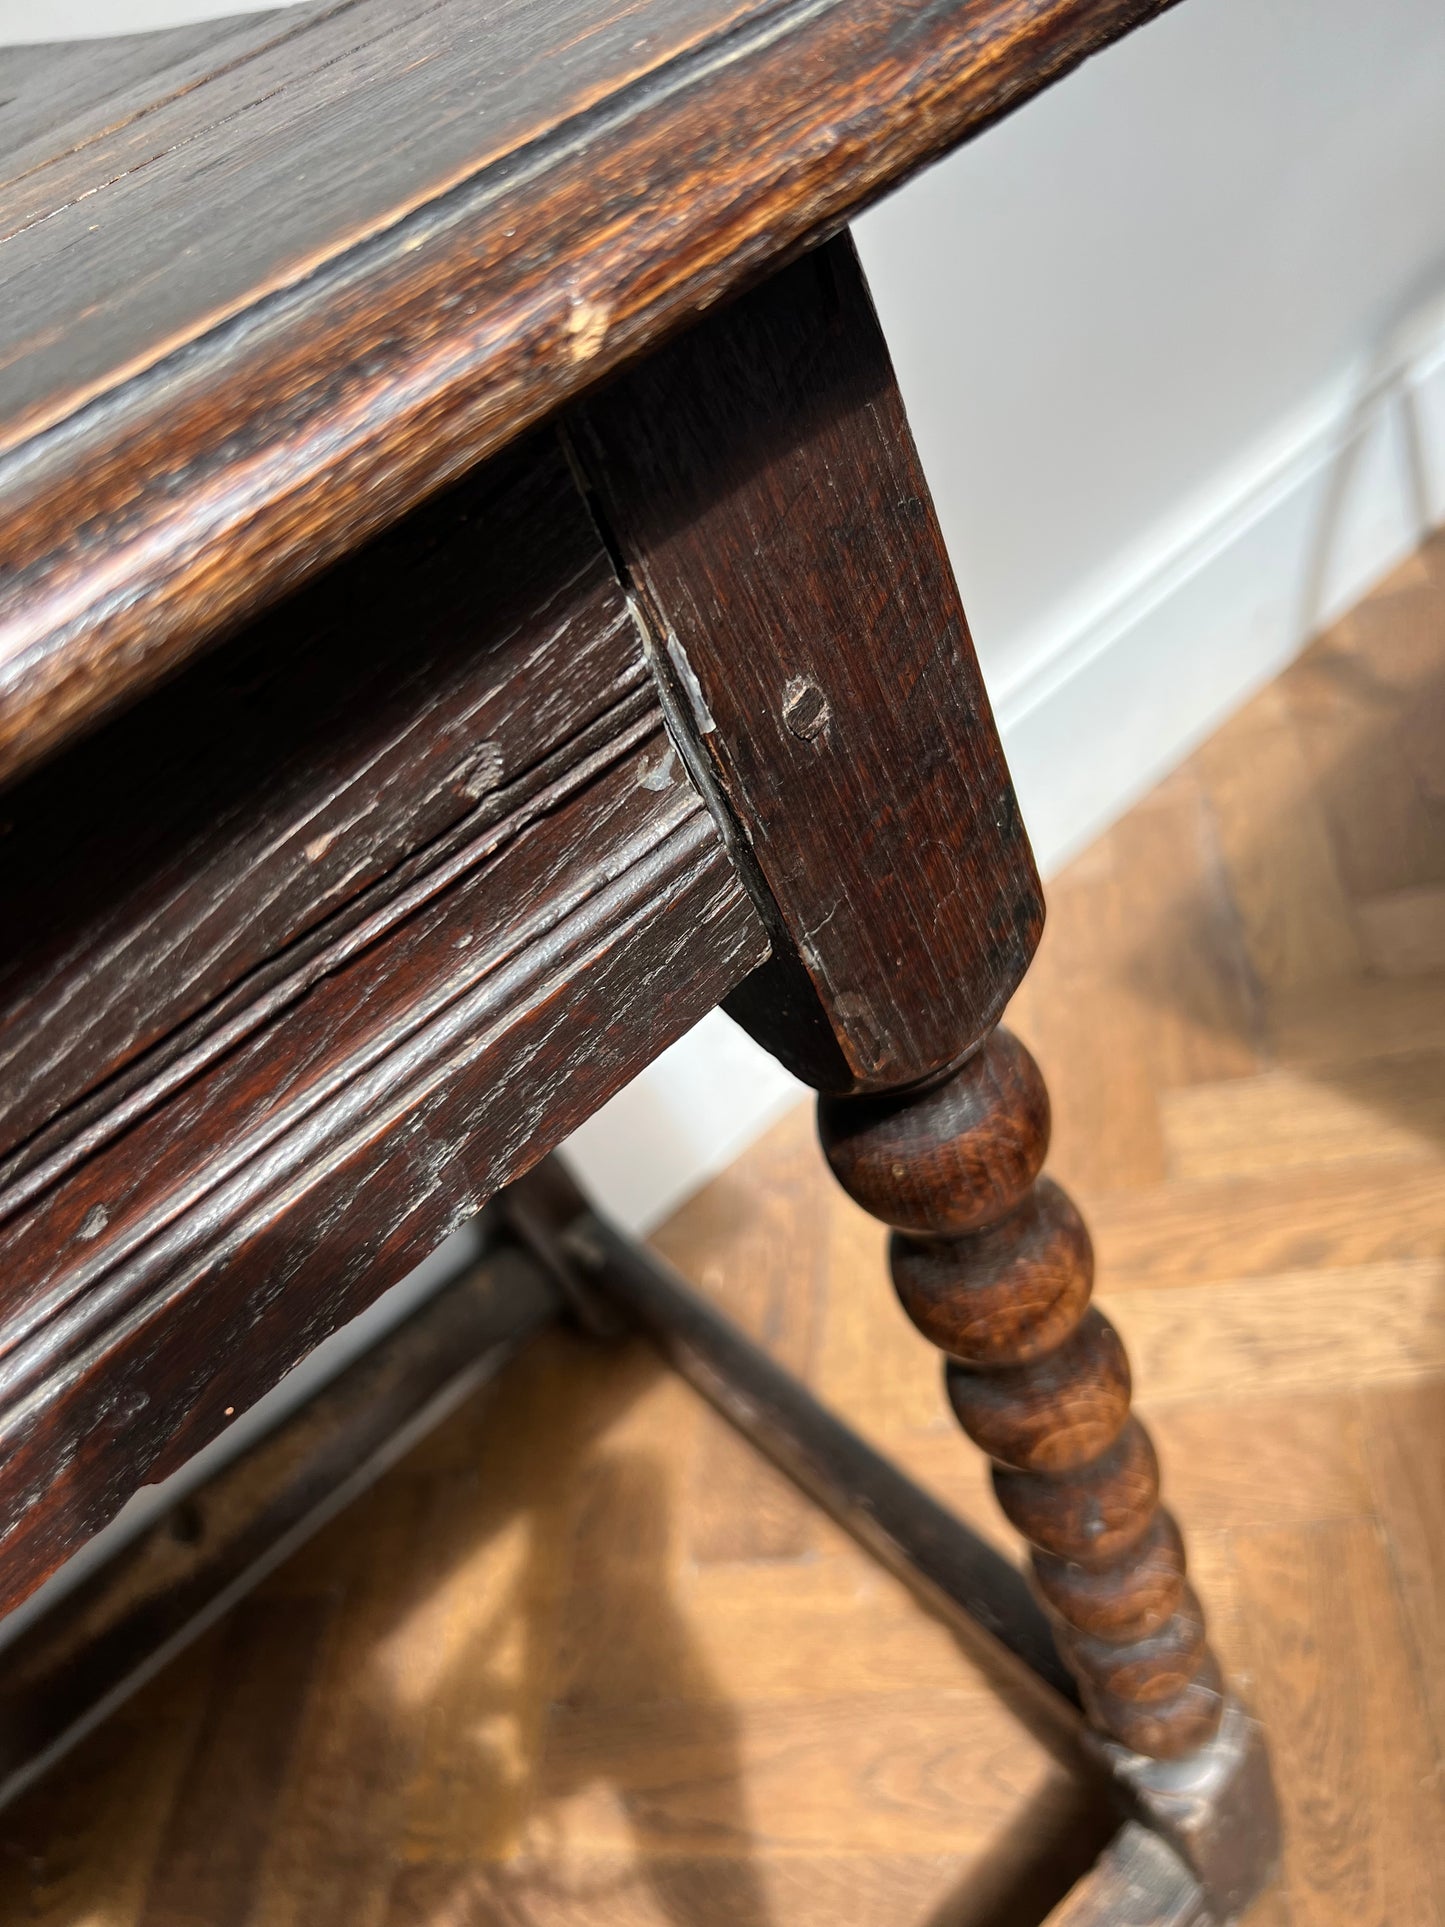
(268, 282)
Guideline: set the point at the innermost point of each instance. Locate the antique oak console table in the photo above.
(470, 604)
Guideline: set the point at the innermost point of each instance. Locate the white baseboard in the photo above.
(1122, 687)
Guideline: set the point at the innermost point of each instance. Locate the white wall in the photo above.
(1098, 307)
(1172, 340)
(1129, 318)
(32, 22)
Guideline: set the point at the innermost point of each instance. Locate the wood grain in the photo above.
(1037, 1377)
(1405, 1430)
(1179, 1010)
(1359, 1019)
(349, 1771)
(742, 1509)
(85, 1842)
(799, 1889)
(306, 946)
(1292, 903)
(1396, 1109)
(61, 96)
(929, 1769)
(345, 1140)
(1248, 1225)
(223, 460)
(209, 1859)
(1362, 1813)
(1301, 1329)
(1372, 760)
(1315, 1460)
(173, 882)
(759, 483)
(146, 198)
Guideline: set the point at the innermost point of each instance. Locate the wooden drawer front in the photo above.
(150, 874)
(311, 954)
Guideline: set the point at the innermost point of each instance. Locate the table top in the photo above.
(269, 282)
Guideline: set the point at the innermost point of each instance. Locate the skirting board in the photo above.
(1234, 588)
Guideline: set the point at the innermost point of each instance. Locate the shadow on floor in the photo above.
(473, 1700)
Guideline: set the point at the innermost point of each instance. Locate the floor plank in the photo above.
(1360, 1786)
(1406, 1445)
(1304, 1330)
(1249, 1124)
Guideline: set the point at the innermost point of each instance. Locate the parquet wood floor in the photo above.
(583, 1658)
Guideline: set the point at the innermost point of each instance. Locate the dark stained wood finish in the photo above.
(322, 1158)
(1109, 1500)
(1315, 1549)
(1060, 1412)
(99, 1642)
(761, 488)
(212, 456)
(316, 951)
(1040, 1381)
(958, 1157)
(169, 883)
(61, 97)
(1031, 1277)
(1137, 1882)
(1113, 1602)
(152, 191)
(758, 486)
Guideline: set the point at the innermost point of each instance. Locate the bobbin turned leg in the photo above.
(759, 488)
(993, 1264)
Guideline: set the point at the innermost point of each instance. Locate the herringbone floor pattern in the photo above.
(583, 1658)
